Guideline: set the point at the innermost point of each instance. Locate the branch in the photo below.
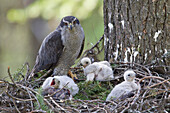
(11, 76)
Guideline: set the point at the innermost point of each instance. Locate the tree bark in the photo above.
(136, 31)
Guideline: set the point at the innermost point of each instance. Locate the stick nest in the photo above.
(21, 95)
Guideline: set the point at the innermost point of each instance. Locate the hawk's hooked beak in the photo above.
(70, 26)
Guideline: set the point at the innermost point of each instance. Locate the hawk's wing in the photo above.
(81, 50)
(49, 52)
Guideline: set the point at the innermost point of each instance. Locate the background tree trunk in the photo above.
(137, 31)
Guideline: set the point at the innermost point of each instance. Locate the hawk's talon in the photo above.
(73, 76)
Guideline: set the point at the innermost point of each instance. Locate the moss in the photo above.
(93, 90)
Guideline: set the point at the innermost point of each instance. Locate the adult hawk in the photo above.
(61, 48)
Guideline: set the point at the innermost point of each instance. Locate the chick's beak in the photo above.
(53, 82)
(81, 64)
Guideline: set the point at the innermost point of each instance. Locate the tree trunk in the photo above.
(136, 31)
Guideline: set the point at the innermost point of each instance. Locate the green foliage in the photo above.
(16, 16)
(49, 9)
(40, 98)
(93, 90)
(41, 73)
(19, 73)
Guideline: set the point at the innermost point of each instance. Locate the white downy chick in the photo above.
(72, 86)
(61, 81)
(100, 71)
(125, 87)
(51, 86)
(50, 82)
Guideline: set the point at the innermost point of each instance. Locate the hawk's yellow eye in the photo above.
(74, 22)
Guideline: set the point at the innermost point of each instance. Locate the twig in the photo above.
(24, 100)
(39, 95)
(154, 94)
(31, 100)
(97, 42)
(57, 105)
(74, 109)
(140, 73)
(11, 76)
(143, 99)
(16, 106)
(27, 88)
(27, 73)
(52, 107)
(159, 83)
(7, 110)
(136, 65)
(125, 108)
(36, 99)
(44, 75)
(93, 46)
(99, 109)
(147, 77)
(38, 111)
(137, 95)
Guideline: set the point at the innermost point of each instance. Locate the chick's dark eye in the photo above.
(128, 74)
(65, 24)
(86, 62)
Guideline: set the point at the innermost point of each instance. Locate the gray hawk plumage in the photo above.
(61, 48)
